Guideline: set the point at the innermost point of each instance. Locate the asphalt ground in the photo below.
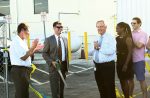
(80, 80)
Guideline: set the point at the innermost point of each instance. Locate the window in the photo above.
(4, 7)
(40, 6)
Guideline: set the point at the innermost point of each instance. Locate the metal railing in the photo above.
(3, 61)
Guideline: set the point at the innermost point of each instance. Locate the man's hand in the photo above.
(138, 44)
(35, 43)
(54, 64)
(96, 45)
(38, 47)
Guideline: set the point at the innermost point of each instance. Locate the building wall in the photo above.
(89, 12)
(127, 9)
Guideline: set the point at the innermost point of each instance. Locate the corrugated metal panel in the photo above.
(127, 9)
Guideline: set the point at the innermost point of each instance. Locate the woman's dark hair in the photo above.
(128, 31)
(22, 26)
(126, 28)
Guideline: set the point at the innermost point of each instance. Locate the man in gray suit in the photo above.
(55, 48)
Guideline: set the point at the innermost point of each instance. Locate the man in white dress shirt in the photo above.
(20, 57)
(104, 54)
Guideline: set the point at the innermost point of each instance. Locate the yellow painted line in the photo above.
(120, 95)
(36, 92)
(146, 63)
(147, 66)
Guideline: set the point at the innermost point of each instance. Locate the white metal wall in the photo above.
(127, 9)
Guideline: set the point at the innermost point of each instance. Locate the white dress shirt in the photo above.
(107, 51)
(62, 46)
(18, 49)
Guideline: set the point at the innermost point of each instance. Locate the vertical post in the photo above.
(5, 55)
(86, 45)
(28, 41)
(69, 46)
(44, 29)
(8, 19)
(43, 18)
(115, 23)
(115, 15)
(9, 31)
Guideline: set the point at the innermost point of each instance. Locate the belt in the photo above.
(17, 66)
(104, 62)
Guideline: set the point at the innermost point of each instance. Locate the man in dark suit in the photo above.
(55, 48)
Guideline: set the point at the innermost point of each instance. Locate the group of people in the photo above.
(129, 46)
(54, 52)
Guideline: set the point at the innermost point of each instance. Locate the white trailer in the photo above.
(77, 16)
(127, 9)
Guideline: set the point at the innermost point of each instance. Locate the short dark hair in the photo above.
(56, 23)
(22, 26)
(137, 19)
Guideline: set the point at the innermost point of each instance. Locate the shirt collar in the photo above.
(21, 40)
(57, 36)
(103, 35)
(139, 30)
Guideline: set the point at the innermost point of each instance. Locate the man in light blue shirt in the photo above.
(104, 54)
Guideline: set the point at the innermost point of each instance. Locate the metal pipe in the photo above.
(43, 18)
(65, 13)
(44, 29)
(6, 58)
(9, 31)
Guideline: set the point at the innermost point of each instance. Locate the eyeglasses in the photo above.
(59, 27)
(133, 23)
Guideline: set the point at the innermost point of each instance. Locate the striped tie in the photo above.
(59, 49)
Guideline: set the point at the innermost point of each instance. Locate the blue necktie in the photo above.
(97, 51)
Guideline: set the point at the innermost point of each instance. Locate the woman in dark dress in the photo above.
(124, 56)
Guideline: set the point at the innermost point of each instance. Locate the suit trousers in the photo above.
(56, 83)
(21, 77)
(105, 79)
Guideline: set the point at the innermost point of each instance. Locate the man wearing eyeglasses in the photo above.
(139, 39)
(55, 48)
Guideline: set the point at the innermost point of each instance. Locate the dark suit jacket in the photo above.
(50, 51)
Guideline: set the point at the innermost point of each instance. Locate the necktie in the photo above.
(97, 51)
(59, 49)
